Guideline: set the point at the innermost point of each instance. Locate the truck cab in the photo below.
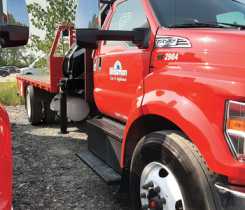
(175, 88)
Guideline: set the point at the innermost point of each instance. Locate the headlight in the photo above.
(235, 128)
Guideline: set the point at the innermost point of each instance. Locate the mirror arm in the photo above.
(87, 38)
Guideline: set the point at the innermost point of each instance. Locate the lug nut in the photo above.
(146, 186)
(163, 201)
(145, 207)
(157, 190)
(143, 195)
(151, 184)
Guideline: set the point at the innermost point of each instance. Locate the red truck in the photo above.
(164, 82)
(11, 35)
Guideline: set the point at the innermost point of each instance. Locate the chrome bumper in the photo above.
(231, 198)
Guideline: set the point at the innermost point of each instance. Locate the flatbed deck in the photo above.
(40, 78)
(41, 81)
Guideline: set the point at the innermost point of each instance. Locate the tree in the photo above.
(57, 13)
(93, 23)
(15, 57)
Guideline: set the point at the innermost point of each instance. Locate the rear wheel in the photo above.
(48, 114)
(3, 75)
(168, 172)
(34, 108)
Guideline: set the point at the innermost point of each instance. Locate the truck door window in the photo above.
(128, 15)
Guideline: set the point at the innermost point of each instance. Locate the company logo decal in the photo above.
(160, 56)
(117, 73)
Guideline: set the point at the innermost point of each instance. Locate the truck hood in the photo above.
(213, 51)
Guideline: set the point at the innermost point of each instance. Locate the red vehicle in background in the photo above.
(11, 36)
(5, 161)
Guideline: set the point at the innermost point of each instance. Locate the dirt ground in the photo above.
(48, 175)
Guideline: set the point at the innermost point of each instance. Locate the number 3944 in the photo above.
(171, 56)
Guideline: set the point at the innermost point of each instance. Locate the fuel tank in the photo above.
(77, 108)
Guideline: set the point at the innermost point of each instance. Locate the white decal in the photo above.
(121, 116)
(125, 117)
(173, 67)
(171, 56)
(118, 115)
(117, 71)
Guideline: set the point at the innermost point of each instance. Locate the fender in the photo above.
(135, 113)
(195, 102)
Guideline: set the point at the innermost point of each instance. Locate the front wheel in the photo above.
(168, 172)
(3, 75)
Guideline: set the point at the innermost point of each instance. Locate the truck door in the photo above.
(121, 65)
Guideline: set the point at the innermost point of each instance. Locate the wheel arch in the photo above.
(142, 126)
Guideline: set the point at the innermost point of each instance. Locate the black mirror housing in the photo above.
(13, 36)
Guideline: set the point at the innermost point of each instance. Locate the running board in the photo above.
(111, 128)
(105, 141)
(108, 174)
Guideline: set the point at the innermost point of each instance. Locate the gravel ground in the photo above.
(48, 175)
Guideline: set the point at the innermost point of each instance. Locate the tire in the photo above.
(3, 75)
(172, 156)
(34, 108)
(48, 114)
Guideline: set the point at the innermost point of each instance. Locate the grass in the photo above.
(8, 96)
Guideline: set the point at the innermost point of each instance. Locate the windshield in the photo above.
(33, 64)
(175, 12)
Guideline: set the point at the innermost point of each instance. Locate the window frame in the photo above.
(122, 43)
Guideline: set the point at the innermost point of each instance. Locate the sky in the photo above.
(34, 30)
(17, 8)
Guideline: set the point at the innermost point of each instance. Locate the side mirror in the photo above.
(14, 23)
(88, 27)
